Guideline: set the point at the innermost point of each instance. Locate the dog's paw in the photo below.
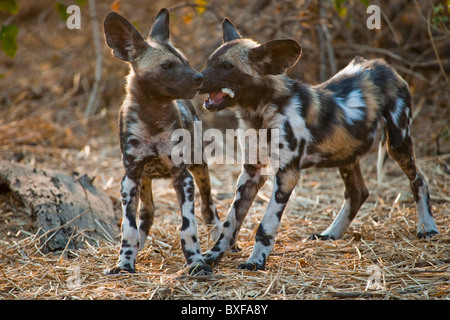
(317, 236)
(212, 259)
(235, 248)
(119, 270)
(201, 270)
(251, 266)
(427, 235)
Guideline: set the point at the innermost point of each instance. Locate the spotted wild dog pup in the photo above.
(159, 74)
(332, 124)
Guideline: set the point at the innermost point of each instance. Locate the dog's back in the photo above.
(343, 113)
(373, 86)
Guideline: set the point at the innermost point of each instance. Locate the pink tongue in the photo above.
(216, 96)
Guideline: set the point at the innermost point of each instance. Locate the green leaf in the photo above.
(438, 9)
(341, 10)
(10, 6)
(62, 10)
(446, 133)
(8, 36)
(365, 2)
(81, 3)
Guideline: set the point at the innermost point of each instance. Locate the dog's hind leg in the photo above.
(146, 210)
(209, 211)
(354, 196)
(400, 148)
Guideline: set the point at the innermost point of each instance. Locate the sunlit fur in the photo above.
(160, 76)
(332, 124)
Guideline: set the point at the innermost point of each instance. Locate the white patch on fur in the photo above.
(128, 232)
(341, 223)
(217, 226)
(353, 106)
(297, 122)
(270, 220)
(270, 223)
(298, 126)
(351, 69)
(396, 113)
(231, 216)
(188, 233)
(127, 186)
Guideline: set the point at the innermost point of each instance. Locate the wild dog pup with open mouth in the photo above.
(331, 124)
(159, 74)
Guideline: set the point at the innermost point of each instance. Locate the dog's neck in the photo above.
(143, 99)
(145, 90)
(270, 91)
(266, 90)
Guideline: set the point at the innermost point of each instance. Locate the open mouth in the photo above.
(217, 99)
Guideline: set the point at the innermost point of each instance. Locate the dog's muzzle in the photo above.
(217, 99)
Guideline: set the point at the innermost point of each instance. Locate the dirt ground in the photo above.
(44, 91)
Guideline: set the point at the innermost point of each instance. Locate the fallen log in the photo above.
(61, 205)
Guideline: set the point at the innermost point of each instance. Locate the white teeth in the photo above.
(208, 101)
(228, 92)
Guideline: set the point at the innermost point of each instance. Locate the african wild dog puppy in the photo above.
(332, 124)
(159, 74)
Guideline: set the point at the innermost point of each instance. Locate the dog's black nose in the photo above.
(198, 77)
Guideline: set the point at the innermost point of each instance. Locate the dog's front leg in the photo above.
(285, 182)
(183, 184)
(250, 181)
(129, 248)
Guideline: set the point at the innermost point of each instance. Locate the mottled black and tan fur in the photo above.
(159, 75)
(332, 124)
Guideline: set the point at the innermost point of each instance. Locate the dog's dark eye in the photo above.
(226, 65)
(167, 65)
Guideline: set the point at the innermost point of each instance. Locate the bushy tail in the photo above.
(382, 154)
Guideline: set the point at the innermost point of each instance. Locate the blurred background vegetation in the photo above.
(60, 89)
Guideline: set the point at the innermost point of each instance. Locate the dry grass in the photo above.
(383, 234)
(45, 89)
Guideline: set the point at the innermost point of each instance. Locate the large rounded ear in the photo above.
(229, 31)
(160, 28)
(276, 56)
(124, 40)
